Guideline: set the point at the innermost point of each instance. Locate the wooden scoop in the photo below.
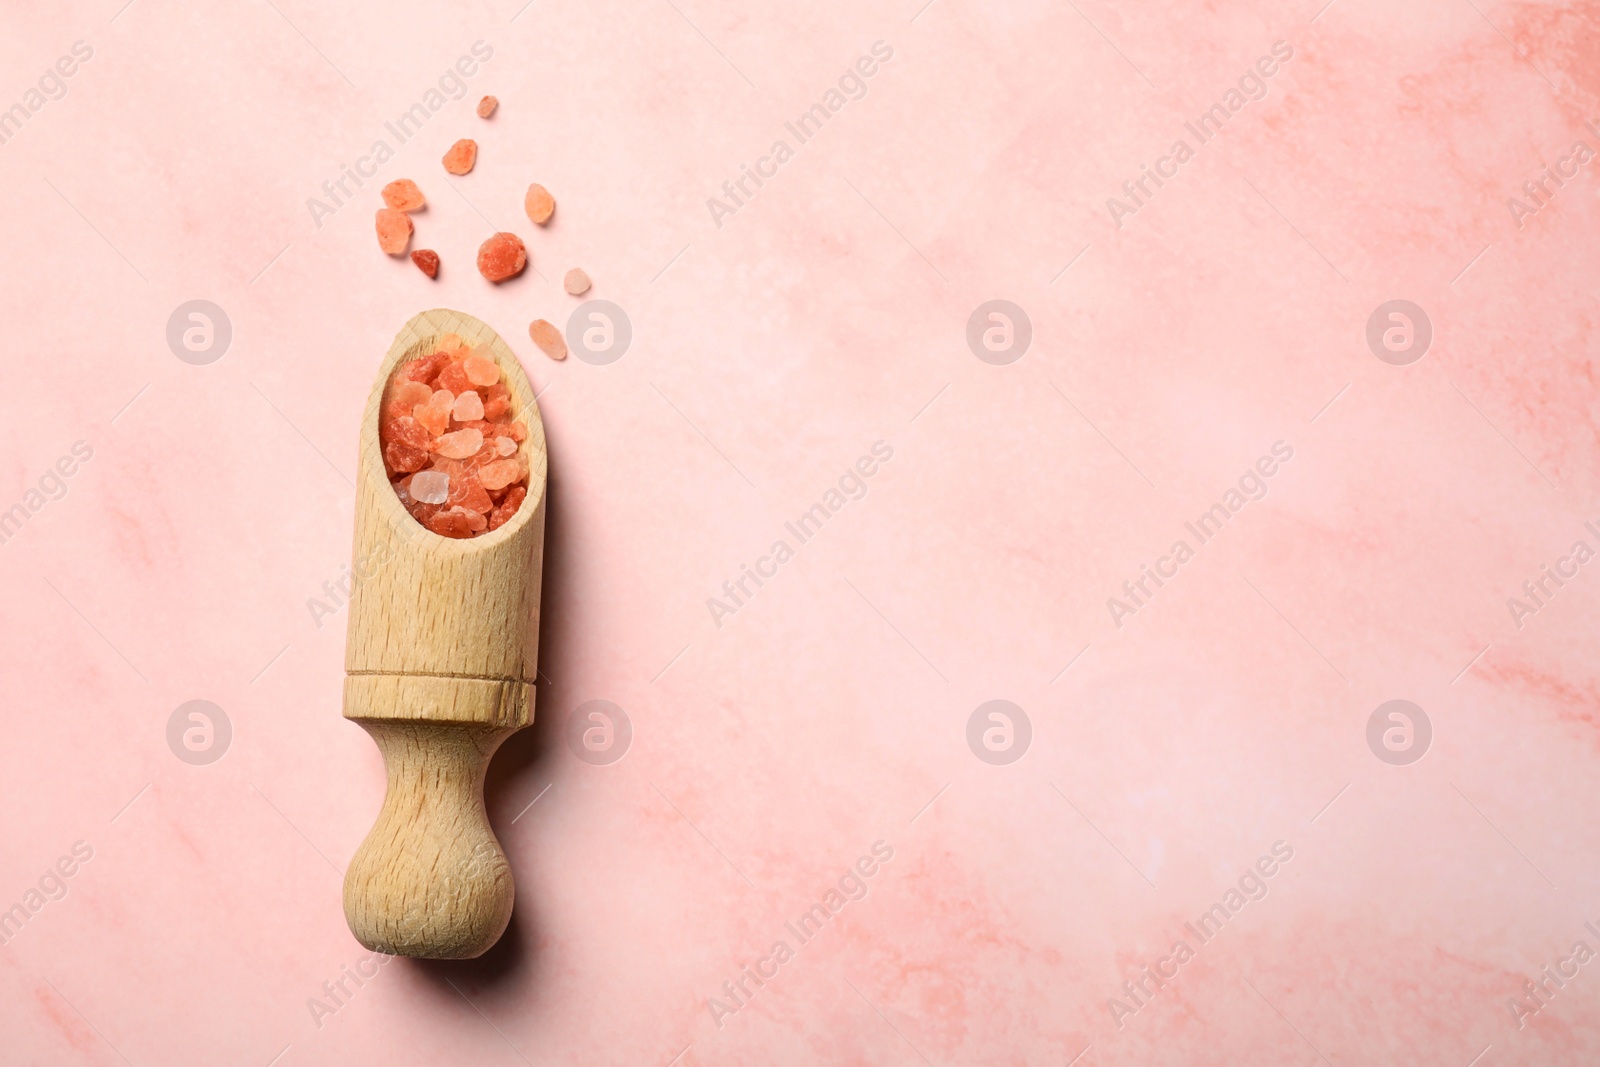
(439, 666)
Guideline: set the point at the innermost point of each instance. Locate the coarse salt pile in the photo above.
(449, 441)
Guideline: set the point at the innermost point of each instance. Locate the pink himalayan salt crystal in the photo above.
(403, 457)
(405, 444)
(394, 230)
(539, 204)
(422, 370)
(430, 487)
(504, 445)
(453, 378)
(502, 256)
(457, 522)
(434, 416)
(427, 261)
(496, 401)
(508, 507)
(499, 474)
(402, 194)
(404, 397)
(481, 370)
(406, 431)
(461, 158)
(460, 445)
(468, 408)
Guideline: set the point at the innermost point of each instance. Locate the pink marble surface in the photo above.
(1175, 341)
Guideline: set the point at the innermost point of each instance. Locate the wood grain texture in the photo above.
(439, 664)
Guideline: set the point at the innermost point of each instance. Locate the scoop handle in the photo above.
(431, 879)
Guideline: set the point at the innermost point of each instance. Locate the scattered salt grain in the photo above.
(548, 338)
(502, 256)
(402, 194)
(394, 230)
(462, 157)
(427, 261)
(539, 204)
